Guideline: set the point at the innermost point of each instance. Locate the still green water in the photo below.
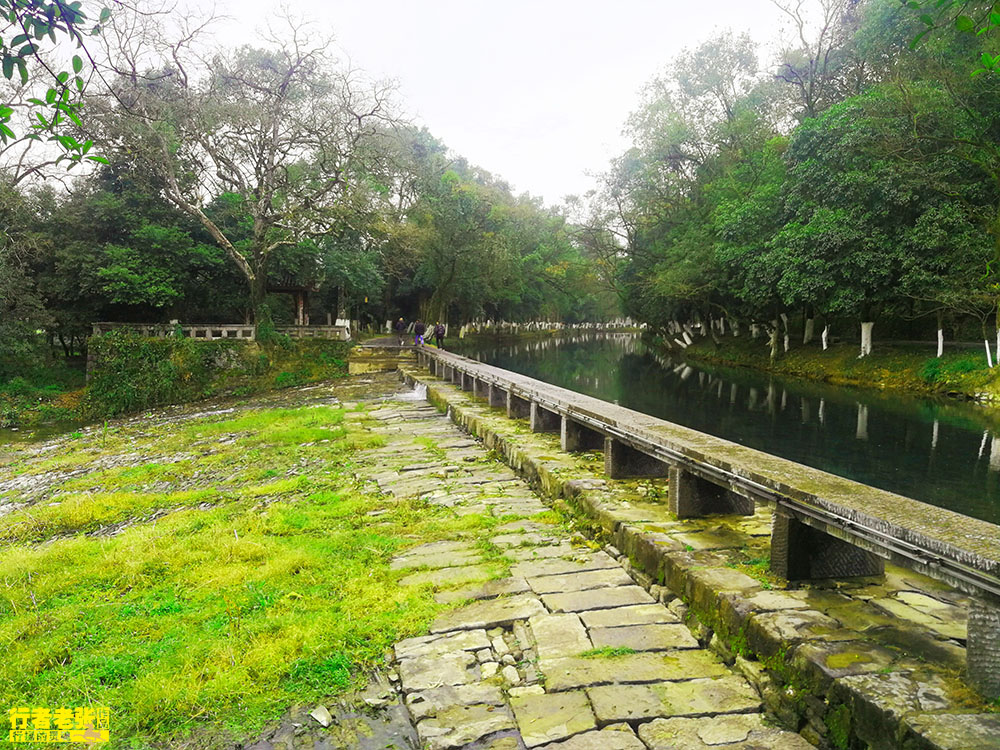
(940, 451)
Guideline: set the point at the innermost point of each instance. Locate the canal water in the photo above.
(941, 451)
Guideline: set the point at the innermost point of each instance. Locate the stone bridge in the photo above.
(824, 526)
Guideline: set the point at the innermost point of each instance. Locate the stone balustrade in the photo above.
(825, 526)
(215, 331)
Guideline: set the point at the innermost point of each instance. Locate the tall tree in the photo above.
(299, 140)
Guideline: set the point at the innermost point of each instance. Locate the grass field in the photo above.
(199, 577)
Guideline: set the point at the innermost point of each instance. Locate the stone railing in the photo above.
(824, 526)
(213, 331)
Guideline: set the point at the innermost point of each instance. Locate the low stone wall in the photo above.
(870, 663)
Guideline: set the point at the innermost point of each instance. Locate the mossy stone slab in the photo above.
(580, 601)
(569, 673)
(461, 725)
(705, 697)
(729, 731)
(652, 637)
(592, 579)
(489, 613)
(552, 716)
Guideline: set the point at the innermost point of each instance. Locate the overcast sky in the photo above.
(535, 92)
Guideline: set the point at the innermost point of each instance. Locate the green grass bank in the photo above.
(201, 574)
(912, 369)
(131, 373)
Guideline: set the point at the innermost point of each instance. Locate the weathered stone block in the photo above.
(605, 739)
(728, 731)
(706, 697)
(575, 672)
(591, 579)
(640, 614)
(658, 637)
(552, 716)
(461, 725)
(488, 614)
(559, 635)
(580, 601)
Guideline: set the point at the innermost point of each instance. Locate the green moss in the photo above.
(607, 652)
(838, 722)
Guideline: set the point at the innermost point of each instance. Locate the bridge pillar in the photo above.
(466, 381)
(982, 653)
(543, 420)
(497, 396)
(622, 461)
(574, 436)
(800, 552)
(692, 496)
(477, 388)
(517, 407)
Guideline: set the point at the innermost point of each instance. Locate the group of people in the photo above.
(419, 329)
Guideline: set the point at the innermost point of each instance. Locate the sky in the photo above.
(534, 92)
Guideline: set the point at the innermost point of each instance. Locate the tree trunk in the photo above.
(866, 338)
(940, 335)
(826, 337)
(258, 293)
(807, 330)
(774, 342)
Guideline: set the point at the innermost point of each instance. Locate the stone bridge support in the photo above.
(543, 420)
(517, 407)
(692, 496)
(574, 437)
(800, 552)
(622, 461)
(497, 396)
(983, 647)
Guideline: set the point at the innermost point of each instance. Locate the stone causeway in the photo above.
(568, 651)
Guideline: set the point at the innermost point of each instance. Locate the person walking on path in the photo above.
(439, 335)
(400, 331)
(418, 333)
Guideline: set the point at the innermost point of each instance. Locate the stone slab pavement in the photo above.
(553, 644)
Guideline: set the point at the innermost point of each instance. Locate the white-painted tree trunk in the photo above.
(773, 341)
(687, 338)
(822, 411)
(989, 356)
(866, 338)
(681, 344)
(995, 454)
(787, 342)
(754, 331)
(982, 445)
(807, 333)
(826, 337)
(686, 372)
(784, 399)
(862, 431)
(734, 326)
(733, 391)
(997, 350)
(940, 349)
(934, 436)
(752, 402)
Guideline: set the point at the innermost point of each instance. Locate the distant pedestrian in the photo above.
(439, 335)
(418, 333)
(400, 331)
